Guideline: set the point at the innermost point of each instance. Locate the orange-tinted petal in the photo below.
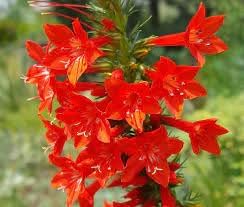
(136, 120)
(104, 132)
(76, 69)
(81, 141)
(73, 193)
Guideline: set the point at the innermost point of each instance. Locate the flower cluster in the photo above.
(113, 107)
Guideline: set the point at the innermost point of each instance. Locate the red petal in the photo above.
(198, 18)
(35, 51)
(113, 85)
(169, 40)
(58, 34)
(58, 146)
(151, 106)
(79, 31)
(115, 111)
(93, 54)
(175, 146)
(211, 25)
(210, 144)
(61, 162)
(194, 89)
(167, 198)
(187, 73)
(108, 24)
(133, 167)
(214, 45)
(195, 52)
(175, 105)
(159, 172)
(100, 41)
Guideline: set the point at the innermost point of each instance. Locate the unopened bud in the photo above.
(133, 65)
(116, 36)
(103, 66)
(141, 53)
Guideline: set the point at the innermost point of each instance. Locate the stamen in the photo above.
(46, 4)
(61, 188)
(58, 14)
(33, 98)
(156, 169)
(49, 147)
(97, 167)
(23, 77)
(34, 2)
(54, 119)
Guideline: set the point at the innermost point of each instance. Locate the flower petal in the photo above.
(58, 34)
(79, 31)
(136, 120)
(76, 69)
(177, 39)
(198, 17)
(34, 50)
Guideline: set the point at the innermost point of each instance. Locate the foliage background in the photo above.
(25, 172)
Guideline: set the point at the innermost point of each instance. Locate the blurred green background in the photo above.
(24, 170)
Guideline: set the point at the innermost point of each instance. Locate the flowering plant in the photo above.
(118, 125)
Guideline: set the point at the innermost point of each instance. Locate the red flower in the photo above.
(168, 200)
(119, 128)
(174, 179)
(83, 120)
(150, 150)
(199, 36)
(108, 24)
(86, 199)
(203, 134)
(80, 51)
(41, 75)
(70, 178)
(175, 83)
(136, 198)
(55, 137)
(130, 101)
(105, 159)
